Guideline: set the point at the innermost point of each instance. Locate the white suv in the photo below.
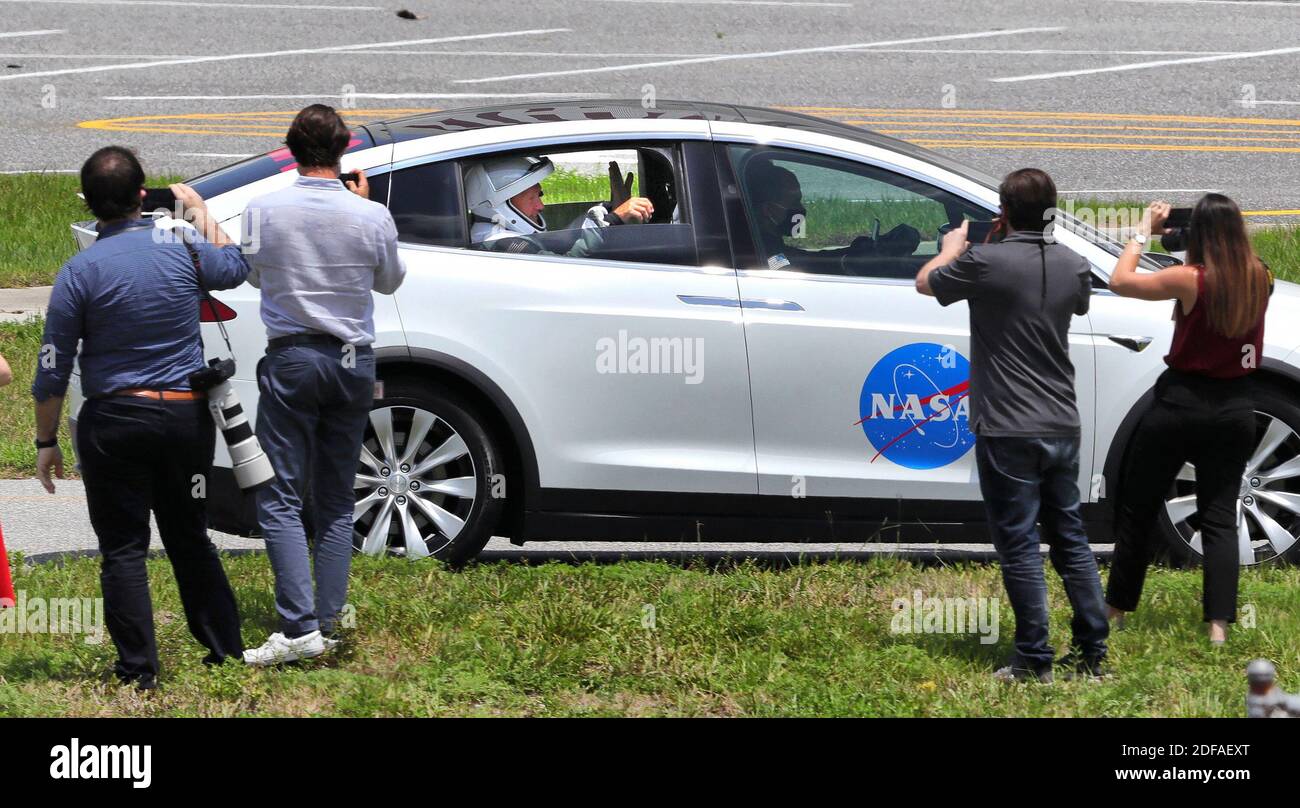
(676, 383)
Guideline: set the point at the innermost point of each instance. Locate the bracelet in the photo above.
(47, 444)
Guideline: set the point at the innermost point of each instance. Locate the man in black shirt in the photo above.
(1022, 293)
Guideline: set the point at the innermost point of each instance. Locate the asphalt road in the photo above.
(1116, 98)
(1150, 103)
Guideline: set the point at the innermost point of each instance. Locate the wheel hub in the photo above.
(1268, 499)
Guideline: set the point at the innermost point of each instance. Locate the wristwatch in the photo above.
(47, 444)
(1141, 238)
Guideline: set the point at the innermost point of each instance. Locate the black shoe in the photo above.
(1075, 665)
(140, 683)
(1013, 673)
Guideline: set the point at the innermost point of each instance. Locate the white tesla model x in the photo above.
(673, 382)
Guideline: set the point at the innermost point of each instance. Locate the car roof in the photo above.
(431, 124)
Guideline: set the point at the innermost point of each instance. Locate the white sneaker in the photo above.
(279, 649)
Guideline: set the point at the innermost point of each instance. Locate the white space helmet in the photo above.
(490, 185)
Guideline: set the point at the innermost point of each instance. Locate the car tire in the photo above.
(445, 494)
(1266, 501)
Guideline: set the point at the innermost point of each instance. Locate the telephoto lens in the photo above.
(250, 464)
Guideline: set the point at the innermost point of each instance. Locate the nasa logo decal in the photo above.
(915, 406)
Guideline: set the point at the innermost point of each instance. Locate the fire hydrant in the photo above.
(1266, 699)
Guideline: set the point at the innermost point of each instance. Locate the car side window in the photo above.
(426, 204)
(826, 215)
(622, 203)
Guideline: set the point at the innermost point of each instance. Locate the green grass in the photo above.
(36, 210)
(35, 213)
(564, 640)
(20, 343)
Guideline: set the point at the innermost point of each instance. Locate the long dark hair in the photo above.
(1236, 283)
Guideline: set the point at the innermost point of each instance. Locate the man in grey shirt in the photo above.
(1022, 292)
(320, 250)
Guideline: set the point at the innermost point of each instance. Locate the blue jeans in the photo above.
(311, 420)
(1029, 480)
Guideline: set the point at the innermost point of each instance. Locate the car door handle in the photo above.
(749, 303)
(770, 303)
(706, 300)
(1135, 344)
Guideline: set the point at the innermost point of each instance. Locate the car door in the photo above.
(859, 382)
(628, 365)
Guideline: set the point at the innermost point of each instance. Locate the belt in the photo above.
(163, 395)
(302, 339)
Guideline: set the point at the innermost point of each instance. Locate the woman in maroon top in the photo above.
(1203, 412)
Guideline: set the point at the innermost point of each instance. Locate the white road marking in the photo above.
(93, 56)
(11, 34)
(733, 3)
(1245, 103)
(531, 54)
(267, 54)
(189, 4)
(1046, 51)
(212, 154)
(760, 55)
(308, 96)
(1145, 65)
(43, 171)
(1287, 3)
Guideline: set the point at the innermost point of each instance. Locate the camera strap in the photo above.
(198, 278)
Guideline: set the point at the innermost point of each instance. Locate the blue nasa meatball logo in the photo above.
(915, 406)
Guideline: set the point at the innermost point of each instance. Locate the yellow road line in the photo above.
(1270, 213)
(1021, 144)
(1090, 127)
(1014, 133)
(176, 124)
(1006, 113)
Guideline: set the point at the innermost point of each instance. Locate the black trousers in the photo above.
(1211, 424)
(139, 455)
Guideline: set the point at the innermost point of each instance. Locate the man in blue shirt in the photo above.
(322, 250)
(144, 438)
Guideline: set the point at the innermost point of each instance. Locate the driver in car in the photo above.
(505, 202)
(780, 214)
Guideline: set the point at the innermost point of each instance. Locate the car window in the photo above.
(814, 213)
(580, 211)
(426, 204)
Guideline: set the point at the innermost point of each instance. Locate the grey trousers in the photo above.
(311, 418)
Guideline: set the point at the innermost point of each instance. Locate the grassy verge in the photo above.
(20, 343)
(35, 212)
(507, 639)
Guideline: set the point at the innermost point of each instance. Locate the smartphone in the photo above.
(351, 176)
(979, 231)
(155, 198)
(1179, 217)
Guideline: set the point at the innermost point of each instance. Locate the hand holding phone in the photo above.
(978, 231)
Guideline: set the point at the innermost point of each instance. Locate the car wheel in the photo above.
(426, 476)
(1268, 504)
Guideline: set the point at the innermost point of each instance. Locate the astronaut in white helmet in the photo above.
(505, 202)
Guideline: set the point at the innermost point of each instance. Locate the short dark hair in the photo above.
(318, 137)
(1027, 195)
(111, 180)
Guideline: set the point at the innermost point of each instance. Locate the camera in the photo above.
(251, 466)
(1178, 224)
